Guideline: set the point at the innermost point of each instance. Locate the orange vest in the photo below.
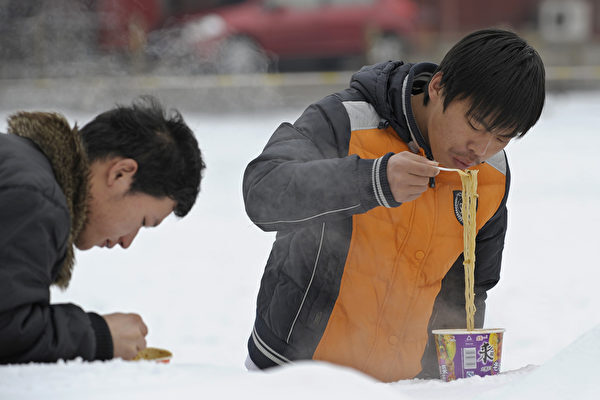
(394, 269)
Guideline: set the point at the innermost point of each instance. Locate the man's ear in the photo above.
(121, 172)
(435, 88)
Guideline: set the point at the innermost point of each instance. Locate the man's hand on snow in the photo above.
(128, 333)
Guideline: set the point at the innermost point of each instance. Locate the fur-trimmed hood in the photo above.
(62, 146)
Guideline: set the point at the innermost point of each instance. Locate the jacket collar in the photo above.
(415, 82)
(388, 87)
(64, 149)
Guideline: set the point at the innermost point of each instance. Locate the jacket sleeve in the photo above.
(304, 174)
(33, 237)
(449, 308)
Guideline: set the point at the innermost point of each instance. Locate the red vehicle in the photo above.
(246, 37)
(124, 24)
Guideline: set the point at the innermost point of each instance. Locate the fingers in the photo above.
(131, 349)
(128, 333)
(419, 166)
(408, 175)
(140, 345)
(137, 319)
(143, 328)
(412, 179)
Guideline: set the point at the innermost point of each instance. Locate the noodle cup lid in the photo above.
(154, 354)
(465, 331)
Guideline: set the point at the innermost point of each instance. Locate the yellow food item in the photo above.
(469, 211)
(153, 353)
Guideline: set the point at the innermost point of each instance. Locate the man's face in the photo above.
(114, 215)
(457, 140)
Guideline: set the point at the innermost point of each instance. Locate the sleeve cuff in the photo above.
(385, 185)
(104, 343)
(374, 183)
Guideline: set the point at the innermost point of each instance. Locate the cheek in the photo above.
(124, 223)
(445, 139)
(95, 228)
(107, 225)
(89, 236)
(495, 148)
(445, 132)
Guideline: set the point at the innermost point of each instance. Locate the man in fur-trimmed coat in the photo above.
(62, 187)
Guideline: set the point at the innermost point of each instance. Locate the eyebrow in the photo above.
(511, 135)
(485, 126)
(488, 130)
(482, 123)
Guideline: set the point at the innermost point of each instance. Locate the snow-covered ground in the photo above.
(194, 282)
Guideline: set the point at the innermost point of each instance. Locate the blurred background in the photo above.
(224, 54)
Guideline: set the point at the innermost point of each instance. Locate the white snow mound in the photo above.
(572, 373)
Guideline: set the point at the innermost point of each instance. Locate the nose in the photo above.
(125, 241)
(480, 144)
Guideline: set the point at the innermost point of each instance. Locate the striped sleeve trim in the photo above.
(381, 187)
(376, 179)
(268, 351)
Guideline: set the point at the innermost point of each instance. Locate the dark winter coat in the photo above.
(44, 177)
(354, 277)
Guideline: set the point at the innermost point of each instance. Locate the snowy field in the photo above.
(194, 282)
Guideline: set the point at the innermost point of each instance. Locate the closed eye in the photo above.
(503, 139)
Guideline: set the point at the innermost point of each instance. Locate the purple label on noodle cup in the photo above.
(462, 353)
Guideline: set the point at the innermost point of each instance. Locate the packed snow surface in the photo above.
(194, 281)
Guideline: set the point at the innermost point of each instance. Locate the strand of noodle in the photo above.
(469, 210)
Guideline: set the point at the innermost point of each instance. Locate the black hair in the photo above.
(500, 74)
(169, 161)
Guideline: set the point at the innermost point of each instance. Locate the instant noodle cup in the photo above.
(154, 354)
(462, 353)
